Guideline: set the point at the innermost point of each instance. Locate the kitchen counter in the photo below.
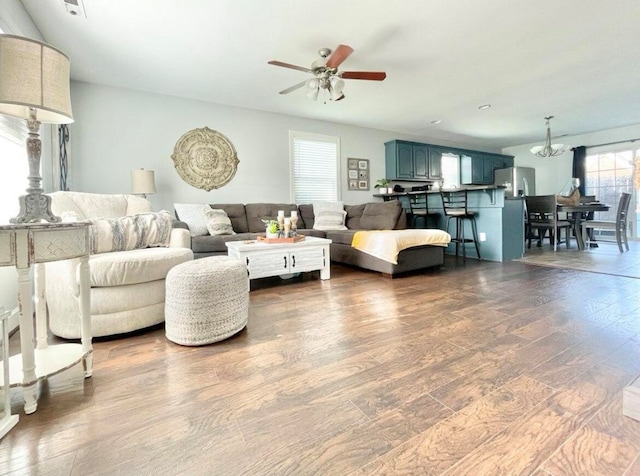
(500, 220)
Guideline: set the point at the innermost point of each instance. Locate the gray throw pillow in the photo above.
(380, 216)
(218, 223)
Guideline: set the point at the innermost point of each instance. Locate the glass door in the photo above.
(608, 175)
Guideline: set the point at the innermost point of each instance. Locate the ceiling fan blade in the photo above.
(293, 88)
(341, 53)
(290, 66)
(370, 75)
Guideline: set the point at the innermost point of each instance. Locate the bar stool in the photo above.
(454, 204)
(419, 204)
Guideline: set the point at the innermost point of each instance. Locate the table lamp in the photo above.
(34, 85)
(143, 182)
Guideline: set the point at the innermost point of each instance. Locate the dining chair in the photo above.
(619, 226)
(583, 216)
(419, 204)
(454, 204)
(542, 211)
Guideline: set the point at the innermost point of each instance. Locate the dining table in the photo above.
(579, 211)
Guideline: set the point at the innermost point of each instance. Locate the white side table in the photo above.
(28, 247)
(7, 420)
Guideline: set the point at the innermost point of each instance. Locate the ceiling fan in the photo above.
(326, 76)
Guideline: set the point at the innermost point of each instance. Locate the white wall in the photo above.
(554, 172)
(117, 130)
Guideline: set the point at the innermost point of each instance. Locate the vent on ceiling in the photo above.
(75, 8)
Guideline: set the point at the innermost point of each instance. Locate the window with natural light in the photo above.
(609, 174)
(450, 170)
(315, 168)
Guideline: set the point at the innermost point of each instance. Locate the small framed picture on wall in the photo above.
(358, 174)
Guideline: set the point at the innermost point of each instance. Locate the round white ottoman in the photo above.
(207, 300)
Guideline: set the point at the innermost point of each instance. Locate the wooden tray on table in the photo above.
(292, 239)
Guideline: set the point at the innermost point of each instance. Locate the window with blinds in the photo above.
(315, 167)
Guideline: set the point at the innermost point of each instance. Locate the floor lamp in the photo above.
(34, 85)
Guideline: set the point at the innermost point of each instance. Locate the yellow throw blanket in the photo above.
(386, 244)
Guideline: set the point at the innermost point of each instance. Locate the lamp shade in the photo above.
(34, 75)
(143, 182)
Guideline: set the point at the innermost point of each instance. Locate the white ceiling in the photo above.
(578, 60)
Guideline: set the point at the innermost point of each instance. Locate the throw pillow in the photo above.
(193, 215)
(218, 222)
(321, 206)
(329, 220)
(380, 216)
(130, 232)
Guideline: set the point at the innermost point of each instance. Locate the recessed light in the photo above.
(484, 106)
(437, 121)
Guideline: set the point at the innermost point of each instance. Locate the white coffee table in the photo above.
(276, 259)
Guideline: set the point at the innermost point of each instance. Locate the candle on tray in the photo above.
(280, 219)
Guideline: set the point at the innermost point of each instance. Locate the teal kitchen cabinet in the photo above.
(435, 162)
(477, 168)
(399, 160)
(406, 160)
(411, 161)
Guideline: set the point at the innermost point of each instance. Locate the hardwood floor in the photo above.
(606, 258)
(484, 369)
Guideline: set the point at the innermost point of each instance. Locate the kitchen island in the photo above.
(500, 220)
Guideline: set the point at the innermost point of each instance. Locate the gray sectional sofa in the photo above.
(246, 220)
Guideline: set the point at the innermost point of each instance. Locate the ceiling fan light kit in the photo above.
(549, 149)
(326, 75)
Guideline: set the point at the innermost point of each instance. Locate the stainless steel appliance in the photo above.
(520, 181)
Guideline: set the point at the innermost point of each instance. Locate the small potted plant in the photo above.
(271, 228)
(382, 185)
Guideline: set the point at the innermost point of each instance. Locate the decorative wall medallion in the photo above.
(205, 159)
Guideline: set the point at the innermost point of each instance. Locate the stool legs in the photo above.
(460, 238)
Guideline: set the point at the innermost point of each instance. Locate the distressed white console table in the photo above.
(28, 247)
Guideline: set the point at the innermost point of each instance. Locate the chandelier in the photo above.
(549, 149)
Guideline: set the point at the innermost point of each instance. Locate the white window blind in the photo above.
(315, 167)
(13, 129)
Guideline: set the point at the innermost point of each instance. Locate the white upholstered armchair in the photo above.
(127, 287)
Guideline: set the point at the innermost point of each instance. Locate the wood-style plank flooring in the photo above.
(480, 369)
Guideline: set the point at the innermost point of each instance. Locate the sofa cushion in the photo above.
(316, 233)
(237, 215)
(130, 232)
(380, 216)
(216, 244)
(98, 205)
(135, 266)
(193, 215)
(218, 222)
(305, 213)
(344, 237)
(354, 213)
(256, 212)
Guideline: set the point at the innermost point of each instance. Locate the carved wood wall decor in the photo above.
(205, 159)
